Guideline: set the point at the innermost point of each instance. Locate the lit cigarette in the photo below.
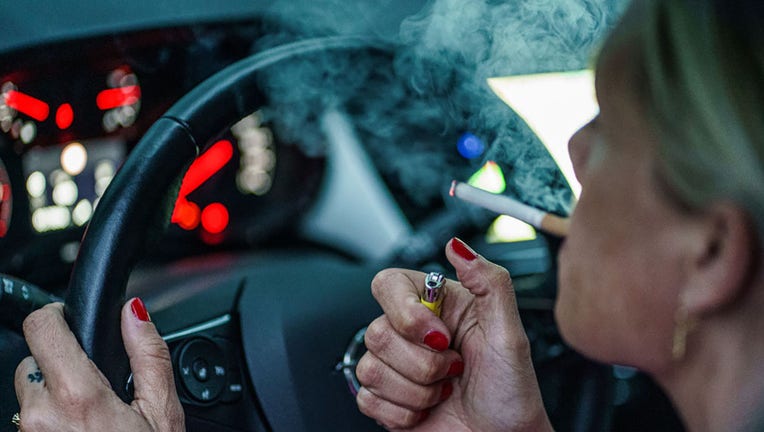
(505, 205)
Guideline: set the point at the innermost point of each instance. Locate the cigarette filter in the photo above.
(503, 204)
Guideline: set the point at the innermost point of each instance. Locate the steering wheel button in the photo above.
(219, 371)
(233, 392)
(205, 394)
(201, 369)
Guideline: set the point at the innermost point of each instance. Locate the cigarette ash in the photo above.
(410, 104)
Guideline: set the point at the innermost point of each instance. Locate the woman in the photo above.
(661, 269)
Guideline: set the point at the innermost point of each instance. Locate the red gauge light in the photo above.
(186, 214)
(64, 116)
(215, 218)
(117, 97)
(28, 105)
(205, 166)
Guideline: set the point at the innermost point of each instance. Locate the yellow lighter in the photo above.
(433, 292)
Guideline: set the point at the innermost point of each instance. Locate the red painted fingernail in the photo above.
(139, 310)
(462, 249)
(436, 340)
(456, 369)
(446, 390)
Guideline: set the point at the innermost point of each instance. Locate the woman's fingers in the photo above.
(390, 415)
(389, 385)
(397, 291)
(29, 380)
(413, 361)
(155, 394)
(61, 389)
(50, 341)
(495, 305)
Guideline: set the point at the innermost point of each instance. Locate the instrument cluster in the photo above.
(70, 115)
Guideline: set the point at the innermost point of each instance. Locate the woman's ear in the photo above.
(722, 263)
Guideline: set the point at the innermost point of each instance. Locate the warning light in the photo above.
(215, 218)
(64, 116)
(470, 146)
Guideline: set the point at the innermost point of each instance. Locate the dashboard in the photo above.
(70, 113)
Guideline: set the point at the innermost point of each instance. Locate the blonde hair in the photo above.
(703, 69)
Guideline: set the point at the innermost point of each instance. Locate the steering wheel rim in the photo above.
(127, 221)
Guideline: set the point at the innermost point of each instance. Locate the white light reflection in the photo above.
(51, 218)
(28, 132)
(36, 184)
(74, 158)
(82, 212)
(65, 193)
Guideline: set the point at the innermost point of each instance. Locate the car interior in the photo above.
(247, 167)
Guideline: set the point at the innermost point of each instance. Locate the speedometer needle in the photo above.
(117, 97)
(205, 166)
(185, 213)
(28, 105)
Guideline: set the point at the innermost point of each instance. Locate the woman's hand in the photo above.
(60, 389)
(484, 382)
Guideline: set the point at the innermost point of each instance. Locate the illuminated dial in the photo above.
(121, 101)
(19, 112)
(251, 144)
(6, 201)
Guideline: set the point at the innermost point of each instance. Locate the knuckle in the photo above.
(368, 403)
(378, 335)
(369, 371)
(38, 322)
(430, 372)
(74, 397)
(500, 276)
(410, 323)
(383, 279)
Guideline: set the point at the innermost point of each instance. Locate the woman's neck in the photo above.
(719, 384)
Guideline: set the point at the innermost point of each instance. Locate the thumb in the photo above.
(491, 284)
(150, 361)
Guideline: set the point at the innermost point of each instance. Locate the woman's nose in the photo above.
(579, 148)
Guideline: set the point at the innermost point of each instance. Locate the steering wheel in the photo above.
(137, 206)
(139, 201)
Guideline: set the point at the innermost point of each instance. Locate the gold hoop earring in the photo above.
(683, 325)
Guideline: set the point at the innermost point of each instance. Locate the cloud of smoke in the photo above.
(411, 103)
